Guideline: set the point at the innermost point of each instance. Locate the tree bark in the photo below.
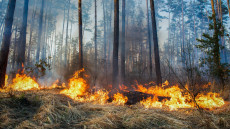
(22, 42)
(31, 34)
(5, 48)
(80, 34)
(15, 47)
(105, 31)
(228, 8)
(66, 40)
(40, 31)
(95, 37)
(116, 44)
(123, 46)
(149, 41)
(156, 48)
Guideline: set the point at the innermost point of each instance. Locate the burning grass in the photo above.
(49, 109)
(25, 104)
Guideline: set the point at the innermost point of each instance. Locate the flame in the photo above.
(123, 88)
(79, 91)
(6, 80)
(22, 83)
(171, 97)
(210, 101)
(151, 102)
(178, 98)
(119, 99)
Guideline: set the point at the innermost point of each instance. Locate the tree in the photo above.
(6, 41)
(155, 40)
(123, 43)
(22, 43)
(210, 45)
(40, 31)
(95, 36)
(115, 44)
(149, 41)
(80, 34)
(228, 8)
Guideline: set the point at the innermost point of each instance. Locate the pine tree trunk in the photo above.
(15, 48)
(123, 46)
(228, 8)
(22, 42)
(183, 37)
(63, 29)
(156, 48)
(80, 35)
(105, 30)
(116, 44)
(5, 48)
(95, 37)
(67, 28)
(40, 31)
(31, 34)
(149, 41)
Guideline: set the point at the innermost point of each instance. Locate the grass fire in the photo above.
(78, 105)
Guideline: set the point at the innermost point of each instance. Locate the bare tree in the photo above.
(5, 48)
(123, 43)
(149, 40)
(22, 43)
(115, 44)
(80, 34)
(40, 31)
(156, 48)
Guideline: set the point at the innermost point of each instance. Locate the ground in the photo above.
(49, 109)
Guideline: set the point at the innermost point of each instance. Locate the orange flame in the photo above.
(119, 99)
(178, 99)
(23, 82)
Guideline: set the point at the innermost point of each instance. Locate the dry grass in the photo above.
(47, 109)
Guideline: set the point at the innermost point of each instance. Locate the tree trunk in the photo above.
(66, 40)
(105, 31)
(123, 46)
(40, 31)
(183, 37)
(22, 42)
(5, 48)
(80, 34)
(228, 8)
(95, 37)
(15, 47)
(149, 41)
(31, 34)
(156, 48)
(116, 44)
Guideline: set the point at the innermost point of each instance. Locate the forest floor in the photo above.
(48, 109)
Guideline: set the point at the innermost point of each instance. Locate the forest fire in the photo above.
(79, 90)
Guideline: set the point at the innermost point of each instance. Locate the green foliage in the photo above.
(211, 47)
(40, 68)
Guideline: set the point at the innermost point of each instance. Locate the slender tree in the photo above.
(228, 8)
(31, 33)
(123, 43)
(149, 41)
(22, 43)
(115, 44)
(156, 48)
(67, 28)
(80, 34)
(95, 36)
(5, 48)
(40, 31)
